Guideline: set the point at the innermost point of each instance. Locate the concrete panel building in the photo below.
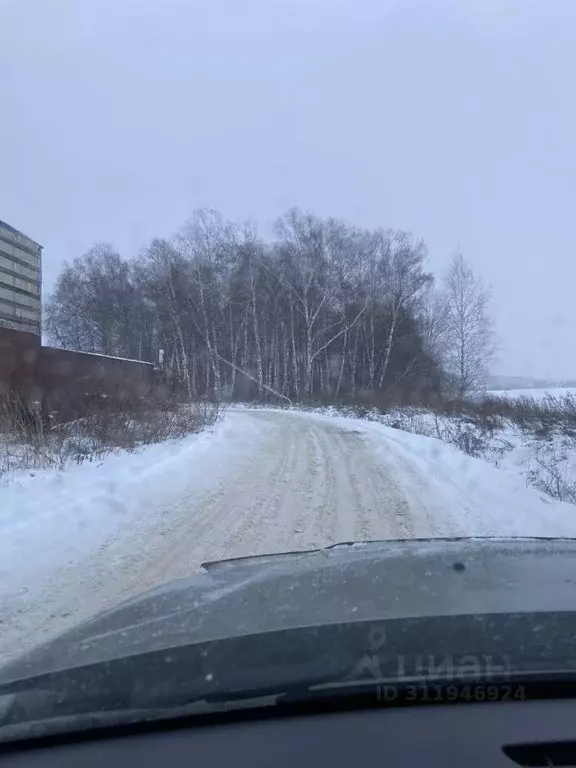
(20, 281)
(62, 379)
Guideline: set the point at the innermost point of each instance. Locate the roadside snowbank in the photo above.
(544, 462)
(50, 517)
(485, 499)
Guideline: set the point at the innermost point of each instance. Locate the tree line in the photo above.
(321, 310)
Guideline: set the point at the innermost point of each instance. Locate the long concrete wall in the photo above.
(64, 378)
(19, 356)
(70, 379)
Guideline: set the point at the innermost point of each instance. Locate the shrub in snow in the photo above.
(110, 423)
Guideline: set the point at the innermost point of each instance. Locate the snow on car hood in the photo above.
(344, 583)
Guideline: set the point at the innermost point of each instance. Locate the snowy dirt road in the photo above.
(266, 481)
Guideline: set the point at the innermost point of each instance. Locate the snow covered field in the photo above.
(536, 394)
(75, 542)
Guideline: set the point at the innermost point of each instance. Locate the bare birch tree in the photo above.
(469, 333)
(433, 321)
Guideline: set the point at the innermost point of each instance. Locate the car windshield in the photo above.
(275, 276)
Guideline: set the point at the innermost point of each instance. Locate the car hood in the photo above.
(345, 583)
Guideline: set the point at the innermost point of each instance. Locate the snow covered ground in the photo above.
(544, 462)
(75, 542)
(536, 394)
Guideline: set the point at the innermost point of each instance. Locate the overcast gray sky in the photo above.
(453, 119)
